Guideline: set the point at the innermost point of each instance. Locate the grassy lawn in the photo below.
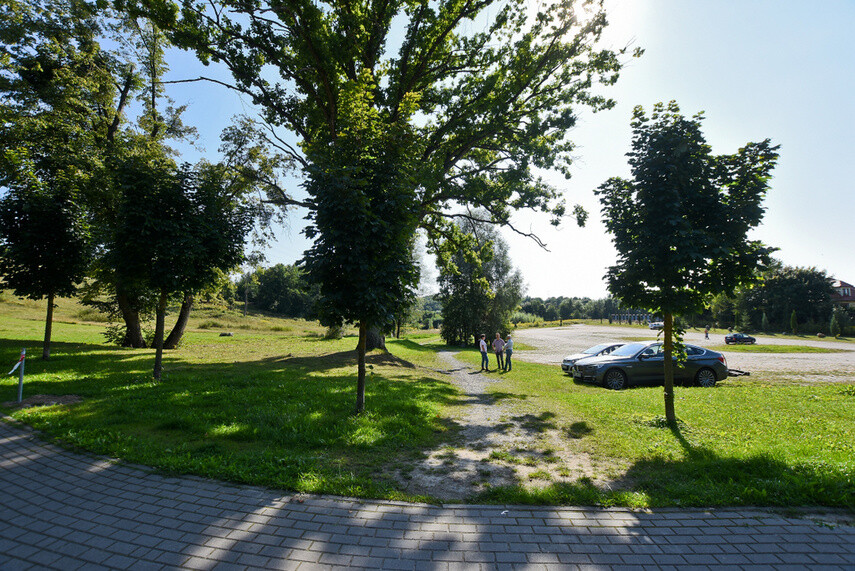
(261, 407)
(272, 406)
(741, 443)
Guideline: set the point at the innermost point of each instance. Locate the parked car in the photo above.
(601, 349)
(656, 325)
(739, 338)
(636, 363)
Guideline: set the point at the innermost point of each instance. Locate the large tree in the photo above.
(54, 84)
(401, 112)
(680, 224)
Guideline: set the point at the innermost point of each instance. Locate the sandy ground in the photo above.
(550, 345)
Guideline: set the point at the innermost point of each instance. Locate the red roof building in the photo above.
(844, 293)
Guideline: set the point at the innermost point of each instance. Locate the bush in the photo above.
(92, 314)
(334, 332)
(518, 317)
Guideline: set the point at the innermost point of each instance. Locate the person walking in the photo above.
(499, 348)
(509, 350)
(707, 332)
(485, 361)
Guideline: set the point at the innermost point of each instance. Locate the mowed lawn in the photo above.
(741, 443)
(272, 405)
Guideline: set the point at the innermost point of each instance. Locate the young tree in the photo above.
(396, 130)
(834, 328)
(44, 249)
(680, 225)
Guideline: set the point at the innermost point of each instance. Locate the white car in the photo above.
(595, 351)
(655, 325)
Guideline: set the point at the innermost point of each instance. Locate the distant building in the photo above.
(844, 293)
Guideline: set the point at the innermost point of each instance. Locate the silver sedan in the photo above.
(596, 350)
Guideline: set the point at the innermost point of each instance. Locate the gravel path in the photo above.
(496, 445)
(550, 345)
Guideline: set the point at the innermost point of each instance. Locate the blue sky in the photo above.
(782, 70)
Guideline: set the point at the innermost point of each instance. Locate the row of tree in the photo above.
(92, 188)
(785, 299)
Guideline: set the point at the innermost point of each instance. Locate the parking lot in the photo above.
(549, 345)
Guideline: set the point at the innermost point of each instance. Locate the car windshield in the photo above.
(628, 350)
(596, 349)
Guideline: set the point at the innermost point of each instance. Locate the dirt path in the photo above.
(498, 444)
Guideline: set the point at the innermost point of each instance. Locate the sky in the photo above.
(782, 70)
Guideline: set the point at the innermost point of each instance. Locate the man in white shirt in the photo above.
(485, 362)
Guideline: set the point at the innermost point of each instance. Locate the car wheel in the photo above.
(615, 379)
(705, 378)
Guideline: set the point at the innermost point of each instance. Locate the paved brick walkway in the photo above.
(62, 510)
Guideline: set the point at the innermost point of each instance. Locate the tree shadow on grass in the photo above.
(700, 478)
(339, 360)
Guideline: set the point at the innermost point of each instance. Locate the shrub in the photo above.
(523, 317)
(834, 327)
(334, 332)
(92, 314)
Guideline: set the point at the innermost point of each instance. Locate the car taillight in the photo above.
(723, 360)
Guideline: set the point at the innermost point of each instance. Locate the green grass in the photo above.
(272, 406)
(776, 349)
(259, 408)
(741, 443)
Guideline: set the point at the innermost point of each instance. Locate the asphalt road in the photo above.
(551, 344)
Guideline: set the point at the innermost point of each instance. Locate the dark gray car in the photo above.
(644, 363)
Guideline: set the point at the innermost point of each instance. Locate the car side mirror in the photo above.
(644, 356)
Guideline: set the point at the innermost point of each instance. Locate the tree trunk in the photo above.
(668, 327)
(374, 339)
(360, 367)
(133, 331)
(48, 328)
(245, 299)
(158, 335)
(178, 330)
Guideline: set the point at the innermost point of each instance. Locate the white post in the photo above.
(21, 375)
